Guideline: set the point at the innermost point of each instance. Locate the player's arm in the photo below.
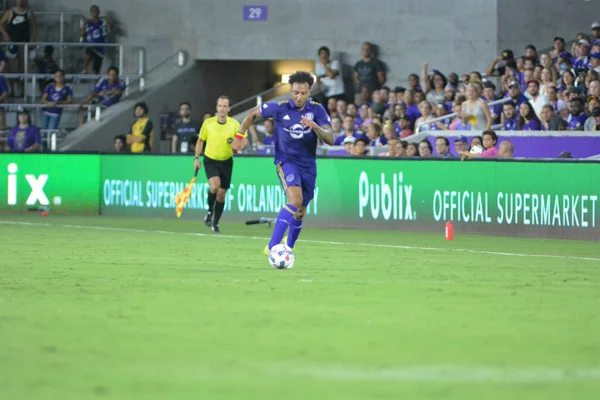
(174, 141)
(324, 132)
(238, 140)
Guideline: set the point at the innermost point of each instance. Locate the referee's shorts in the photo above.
(221, 168)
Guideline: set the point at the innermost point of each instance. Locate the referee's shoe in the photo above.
(215, 229)
(208, 219)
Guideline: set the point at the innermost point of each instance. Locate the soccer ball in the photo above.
(477, 149)
(281, 257)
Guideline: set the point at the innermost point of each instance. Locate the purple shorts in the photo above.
(304, 177)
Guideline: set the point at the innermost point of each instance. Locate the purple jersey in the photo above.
(55, 95)
(108, 99)
(575, 122)
(293, 142)
(532, 125)
(3, 85)
(96, 32)
(21, 138)
(511, 124)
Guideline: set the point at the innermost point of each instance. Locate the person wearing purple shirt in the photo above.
(577, 117)
(509, 117)
(56, 93)
(299, 124)
(3, 96)
(108, 91)
(514, 92)
(528, 120)
(95, 30)
(348, 131)
(24, 137)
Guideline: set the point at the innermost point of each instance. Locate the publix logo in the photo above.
(387, 196)
(35, 188)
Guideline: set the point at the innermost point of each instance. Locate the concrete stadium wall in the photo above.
(453, 35)
(539, 21)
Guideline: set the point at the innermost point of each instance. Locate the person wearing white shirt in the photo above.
(329, 75)
(537, 100)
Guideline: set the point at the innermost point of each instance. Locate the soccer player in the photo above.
(299, 124)
(218, 133)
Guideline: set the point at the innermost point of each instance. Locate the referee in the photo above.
(217, 134)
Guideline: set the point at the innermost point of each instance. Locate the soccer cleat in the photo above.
(215, 229)
(208, 219)
(266, 251)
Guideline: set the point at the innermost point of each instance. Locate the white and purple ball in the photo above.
(281, 257)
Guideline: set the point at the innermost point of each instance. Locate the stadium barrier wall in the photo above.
(518, 198)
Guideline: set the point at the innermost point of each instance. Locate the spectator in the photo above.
(391, 144)
(536, 100)
(596, 116)
(3, 96)
(476, 141)
(340, 108)
(582, 61)
(3, 61)
(562, 109)
(56, 94)
(141, 134)
(547, 81)
(595, 62)
(475, 110)
(596, 31)
(369, 72)
(461, 144)
(374, 135)
(207, 115)
(360, 147)
(24, 137)
(528, 120)
(413, 82)
(507, 150)
(412, 111)
(404, 125)
(559, 49)
(457, 109)
(46, 66)
(550, 121)
(425, 149)
(510, 121)
(94, 30)
(489, 143)
(434, 88)
(352, 110)
(18, 25)
(363, 116)
(442, 147)
(450, 94)
(577, 117)
(590, 123)
(498, 66)
(348, 144)
(331, 107)
(568, 79)
(348, 130)
(186, 131)
(389, 132)
(107, 92)
(336, 125)
(269, 126)
(514, 92)
(412, 150)
(489, 94)
(120, 144)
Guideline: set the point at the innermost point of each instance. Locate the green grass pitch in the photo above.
(127, 308)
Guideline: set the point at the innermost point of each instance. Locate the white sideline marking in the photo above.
(448, 374)
(388, 246)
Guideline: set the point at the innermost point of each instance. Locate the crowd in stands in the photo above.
(558, 90)
(18, 24)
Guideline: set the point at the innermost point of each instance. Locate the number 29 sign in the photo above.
(255, 13)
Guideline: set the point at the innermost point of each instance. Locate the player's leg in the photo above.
(289, 176)
(309, 178)
(225, 172)
(214, 182)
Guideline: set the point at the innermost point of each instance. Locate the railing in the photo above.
(94, 111)
(62, 17)
(452, 115)
(258, 98)
(141, 52)
(181, 57)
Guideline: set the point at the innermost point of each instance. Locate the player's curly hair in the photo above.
(301, 77)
